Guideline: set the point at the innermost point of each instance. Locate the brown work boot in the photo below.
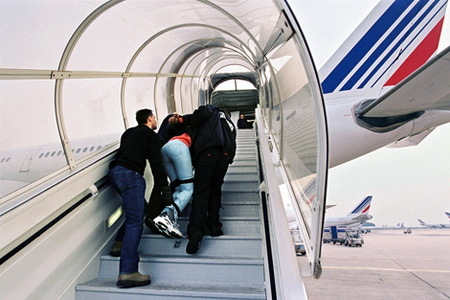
(133, 279)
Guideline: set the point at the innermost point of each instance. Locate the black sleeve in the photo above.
(163, 132)
(199, 115)
(155, 160)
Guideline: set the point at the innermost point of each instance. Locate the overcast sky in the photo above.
(407, 183)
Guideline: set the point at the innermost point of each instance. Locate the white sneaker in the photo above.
(167, 226)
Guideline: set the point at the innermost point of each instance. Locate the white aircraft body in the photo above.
(23, 166)
(385, 85)
(435, 225)
(356, 217)
(383, 227)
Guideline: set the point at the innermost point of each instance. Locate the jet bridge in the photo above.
(72, 76)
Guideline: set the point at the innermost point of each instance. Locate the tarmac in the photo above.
(390, 265)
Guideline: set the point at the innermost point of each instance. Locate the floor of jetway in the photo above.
(226, 267)
(390, 265)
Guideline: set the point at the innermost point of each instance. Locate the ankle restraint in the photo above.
(178, 182)
(177, 208)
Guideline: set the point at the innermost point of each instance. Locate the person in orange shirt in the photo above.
(177, 163)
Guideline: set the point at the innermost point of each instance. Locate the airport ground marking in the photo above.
(387, 269)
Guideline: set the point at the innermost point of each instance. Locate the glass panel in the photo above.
(184, 88)
(28, 133)
(275, 109)
(299, 146)
(26, 27)
(91, 113)
(139, 94)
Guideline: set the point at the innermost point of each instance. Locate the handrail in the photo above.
(286, 271)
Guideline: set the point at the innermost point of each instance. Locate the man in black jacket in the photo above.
(213, 149)
(242, 122)
(137, 145)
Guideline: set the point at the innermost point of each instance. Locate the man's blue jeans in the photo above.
(131, 186)
(177, 164)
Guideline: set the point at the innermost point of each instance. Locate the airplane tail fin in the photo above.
(363, 207)
(394, 40)
(421, 222)
(448, 214)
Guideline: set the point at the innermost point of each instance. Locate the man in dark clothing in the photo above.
(213, 149)
(242, 122)
(137, 145)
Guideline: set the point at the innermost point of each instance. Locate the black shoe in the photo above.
(195, 240)
(116, 249)
(216, 231)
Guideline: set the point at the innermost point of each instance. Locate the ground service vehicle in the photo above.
(353, 238)
(299, 246)
(334, 234)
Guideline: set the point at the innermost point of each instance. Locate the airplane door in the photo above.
(27, 161)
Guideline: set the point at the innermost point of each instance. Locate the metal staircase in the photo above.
(226, 267)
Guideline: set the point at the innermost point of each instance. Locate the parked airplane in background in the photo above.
(357, 216)
(21, 166)
(448, 215)
(434, 225)
(365, 228)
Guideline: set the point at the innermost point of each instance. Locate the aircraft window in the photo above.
(59, 153)
(78, 150)
(99, 147)
(8, 159)
(53, 153)
(40, 155)
(47, 154)
(85, 149)
(3, 159)
(92, 149)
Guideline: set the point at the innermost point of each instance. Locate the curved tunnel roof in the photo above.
(155, 53)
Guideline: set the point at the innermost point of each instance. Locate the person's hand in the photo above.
(174, 119)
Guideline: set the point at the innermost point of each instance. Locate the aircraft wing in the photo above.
(428, 88)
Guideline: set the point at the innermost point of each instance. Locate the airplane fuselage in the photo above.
(348, 140)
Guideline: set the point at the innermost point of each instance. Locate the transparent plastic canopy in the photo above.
(73, 71)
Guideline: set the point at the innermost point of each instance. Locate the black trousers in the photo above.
(210, 166)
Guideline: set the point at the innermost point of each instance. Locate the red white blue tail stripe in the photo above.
(394, 40)
(363, 207)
